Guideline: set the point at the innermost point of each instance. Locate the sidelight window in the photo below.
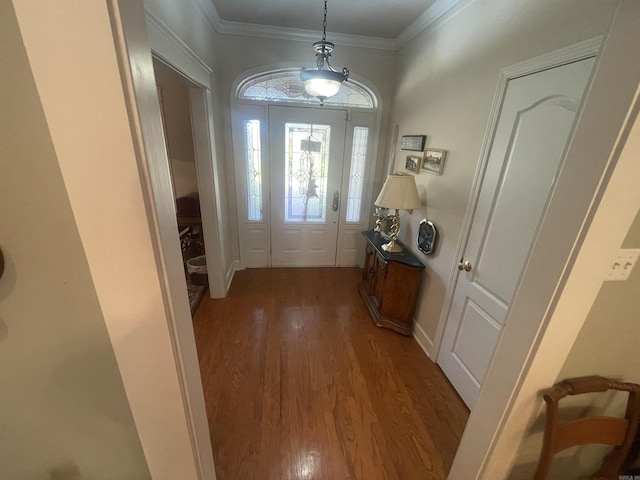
(356, 175)
(253, 166)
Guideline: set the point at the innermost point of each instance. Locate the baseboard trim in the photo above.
(235, 266)
(426, 344)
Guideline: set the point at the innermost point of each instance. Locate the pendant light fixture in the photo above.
(323, 81)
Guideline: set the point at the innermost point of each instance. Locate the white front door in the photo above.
(306, 148)
(530, 136)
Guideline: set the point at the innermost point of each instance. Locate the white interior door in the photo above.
(531, 133)
(306, 150)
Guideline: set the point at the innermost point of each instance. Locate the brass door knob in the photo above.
(466, 266)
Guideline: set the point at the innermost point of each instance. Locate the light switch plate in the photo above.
(622, 265)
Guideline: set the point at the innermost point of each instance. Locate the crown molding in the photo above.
(159, 31)
(302, 35)
(208, 9)
(424, 21)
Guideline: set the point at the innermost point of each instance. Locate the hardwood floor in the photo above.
(300, 384)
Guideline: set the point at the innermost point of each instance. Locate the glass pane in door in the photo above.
(306, 171)
(356, 175)
(253, 165)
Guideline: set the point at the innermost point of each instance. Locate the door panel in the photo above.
(477, 326)
(534, 123)
(528, 173)
(307, 154)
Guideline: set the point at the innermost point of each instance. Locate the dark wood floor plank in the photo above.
(300, 384)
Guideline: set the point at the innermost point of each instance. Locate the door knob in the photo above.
(466, 266)
(336, 201)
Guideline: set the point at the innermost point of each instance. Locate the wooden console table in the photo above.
(390, 284)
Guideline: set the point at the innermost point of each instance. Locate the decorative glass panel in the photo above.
(356, 176)
(286, 86)
(306, 170)
(254, 169)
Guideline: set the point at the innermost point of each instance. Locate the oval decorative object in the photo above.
(426, 236)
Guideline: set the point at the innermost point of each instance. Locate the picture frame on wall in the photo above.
(433, 161)
(413, 142)
(412, 163)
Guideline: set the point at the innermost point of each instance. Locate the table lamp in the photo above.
(400, 193)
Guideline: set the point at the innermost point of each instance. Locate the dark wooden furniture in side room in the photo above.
(621, 433)
(390, 284)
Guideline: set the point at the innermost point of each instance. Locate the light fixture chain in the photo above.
(323, 81)
(324, 23)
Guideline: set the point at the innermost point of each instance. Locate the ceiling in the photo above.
(372, 18)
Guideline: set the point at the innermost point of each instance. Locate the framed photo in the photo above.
(413, 142)
(434, 161)
(413, 163)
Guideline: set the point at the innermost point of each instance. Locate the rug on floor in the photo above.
(196, 292)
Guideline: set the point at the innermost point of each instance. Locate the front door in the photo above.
(531, 133)
(306, 148)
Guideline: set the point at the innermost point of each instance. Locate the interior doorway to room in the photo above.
(173, 95)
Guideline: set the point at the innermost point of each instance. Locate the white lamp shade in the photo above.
(399, 192)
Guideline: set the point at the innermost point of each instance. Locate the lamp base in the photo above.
(392, 247)
(381, 222)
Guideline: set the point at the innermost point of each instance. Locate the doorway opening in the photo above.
(173, 95)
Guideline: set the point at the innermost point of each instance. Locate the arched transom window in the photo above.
(285, 86)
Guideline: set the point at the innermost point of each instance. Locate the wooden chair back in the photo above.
(622, 433)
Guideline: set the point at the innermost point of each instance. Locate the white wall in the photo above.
(64, 406)
(187, 22)
(446, 83)
(185, 179)
(607, 345)
(177, 122)
(97, 147)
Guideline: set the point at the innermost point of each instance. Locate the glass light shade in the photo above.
(321, 87)
(399, 192)
(322, 83)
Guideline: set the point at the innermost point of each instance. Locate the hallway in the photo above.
(300, 384)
